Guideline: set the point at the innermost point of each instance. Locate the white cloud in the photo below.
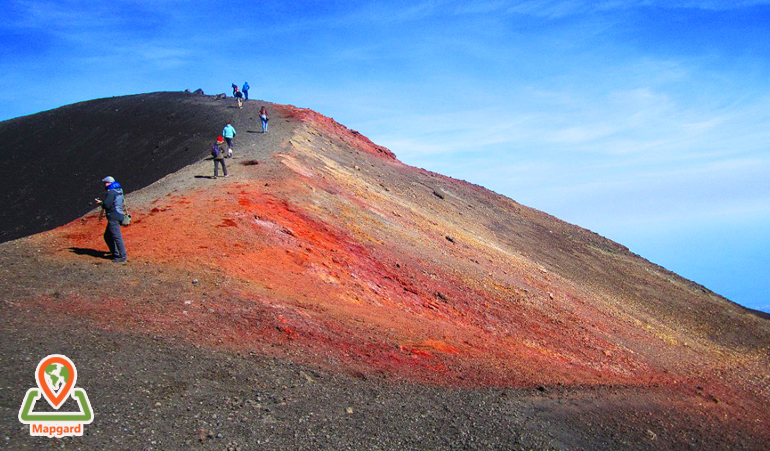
(583, 133)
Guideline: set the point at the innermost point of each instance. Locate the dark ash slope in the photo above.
(55, 159)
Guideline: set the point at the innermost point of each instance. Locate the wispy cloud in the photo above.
(550, 9)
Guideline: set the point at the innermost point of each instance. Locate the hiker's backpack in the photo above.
(215, 151)
(124, 209)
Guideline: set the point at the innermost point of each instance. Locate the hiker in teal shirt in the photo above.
(229, 133)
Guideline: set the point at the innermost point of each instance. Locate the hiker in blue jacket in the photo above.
(112, 204)
(229, 133)
(246, 90)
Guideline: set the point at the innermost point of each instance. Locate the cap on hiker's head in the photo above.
(220, 139)
(108, 179)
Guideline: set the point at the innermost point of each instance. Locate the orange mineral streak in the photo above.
(330, 295)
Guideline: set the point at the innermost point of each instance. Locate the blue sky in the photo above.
(646, 121)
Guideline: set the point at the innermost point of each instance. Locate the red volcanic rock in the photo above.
(308, 257)
(332, 128)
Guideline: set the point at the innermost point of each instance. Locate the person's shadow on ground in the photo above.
(90, 252)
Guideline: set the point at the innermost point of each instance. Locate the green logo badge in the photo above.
(56, 376)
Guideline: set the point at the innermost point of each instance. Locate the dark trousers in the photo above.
(217, 162)
(246, 94)
(114, 239)
(229, 142)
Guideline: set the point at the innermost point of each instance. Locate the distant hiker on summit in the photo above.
(219, 157)
(235, 88)
(263, 116)
(229, 133)
(112, 205)
(246, 90)
(239, 97)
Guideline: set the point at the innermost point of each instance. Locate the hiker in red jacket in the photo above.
(219, 157)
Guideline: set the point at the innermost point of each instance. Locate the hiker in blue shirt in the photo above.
(229, 133)
(246, 90)
(112, 204)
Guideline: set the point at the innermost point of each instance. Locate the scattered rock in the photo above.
(203, 434)
(307, 376)
(349, 410)
(195, 281)
(438, 193)
(450, 239)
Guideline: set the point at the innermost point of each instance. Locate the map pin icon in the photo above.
(56, 375)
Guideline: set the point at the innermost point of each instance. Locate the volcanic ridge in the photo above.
(324, 262)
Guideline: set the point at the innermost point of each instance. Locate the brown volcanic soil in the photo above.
(331, 276)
